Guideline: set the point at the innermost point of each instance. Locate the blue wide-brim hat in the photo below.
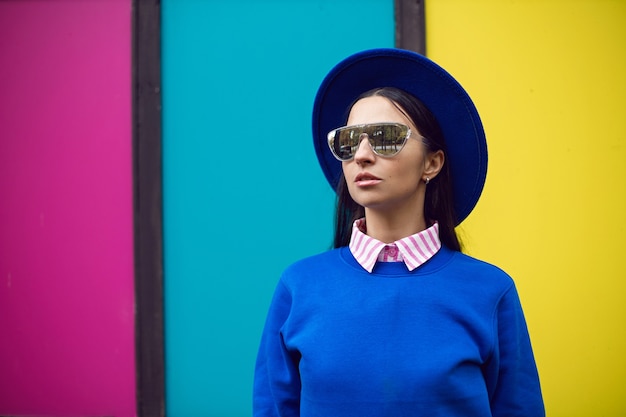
(435, 87)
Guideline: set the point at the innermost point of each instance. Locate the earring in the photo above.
(427, 180)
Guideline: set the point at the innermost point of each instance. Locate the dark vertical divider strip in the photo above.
(147, 190)
(410, 25)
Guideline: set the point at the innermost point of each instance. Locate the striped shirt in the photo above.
(413, 250)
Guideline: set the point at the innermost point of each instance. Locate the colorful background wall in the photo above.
(547, 78)
(238, 160)
(66, 233)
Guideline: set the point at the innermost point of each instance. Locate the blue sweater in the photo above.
(448, 339)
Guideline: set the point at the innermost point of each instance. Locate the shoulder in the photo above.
(313, 265)
(478, 272)
(315, 261)
(472, 263)
(318, 271)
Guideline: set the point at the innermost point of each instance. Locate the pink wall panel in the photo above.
(66, 249)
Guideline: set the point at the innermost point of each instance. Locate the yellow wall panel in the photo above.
(548, 78)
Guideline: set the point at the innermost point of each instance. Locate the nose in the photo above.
(364, 153)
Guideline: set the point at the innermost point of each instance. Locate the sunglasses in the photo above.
(386, 139)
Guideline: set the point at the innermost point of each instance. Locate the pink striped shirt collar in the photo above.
(413, 250)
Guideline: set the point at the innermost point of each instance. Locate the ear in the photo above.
(433, 164)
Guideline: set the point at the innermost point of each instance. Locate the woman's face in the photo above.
(387, 183)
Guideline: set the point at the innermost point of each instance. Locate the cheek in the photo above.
(408, 173)
(345, 168)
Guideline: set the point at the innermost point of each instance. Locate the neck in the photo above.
(389, 227)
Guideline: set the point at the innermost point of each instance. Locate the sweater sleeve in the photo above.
(511, 375)
(276, 379)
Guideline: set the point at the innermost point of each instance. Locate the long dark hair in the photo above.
(439, 199)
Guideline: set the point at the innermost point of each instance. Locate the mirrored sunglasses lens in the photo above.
(346, 143)
(387, 139)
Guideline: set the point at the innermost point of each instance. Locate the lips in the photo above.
(365, 176)
(365, 179)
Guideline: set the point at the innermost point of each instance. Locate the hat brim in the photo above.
(436, 88)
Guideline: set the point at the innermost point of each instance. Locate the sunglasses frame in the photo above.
(332, 135)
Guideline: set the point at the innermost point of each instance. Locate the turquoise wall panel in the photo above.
(243, 193)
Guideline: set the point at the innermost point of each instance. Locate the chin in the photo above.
(365, 198)
(372, 203)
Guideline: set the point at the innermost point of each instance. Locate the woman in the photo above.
(396, 321)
